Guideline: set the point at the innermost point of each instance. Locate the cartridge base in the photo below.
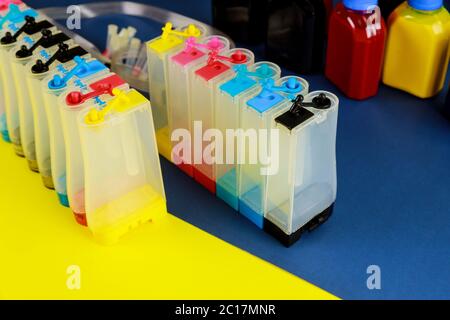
(80, 218)
(228, 197)
(48, 182)
(251, 214)
(63, 199)
(289, 239)
(164, 143)
(33, 165)
(19, 150)
(205, 181)
(187, 168)
(111, 233)
(226, 189)
(5, 136)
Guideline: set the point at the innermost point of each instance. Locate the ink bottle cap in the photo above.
(426, 5)
(360, 5)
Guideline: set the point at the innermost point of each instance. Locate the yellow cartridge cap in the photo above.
(122, 102)
(171, 38)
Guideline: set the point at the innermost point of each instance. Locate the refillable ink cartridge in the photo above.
(204, 84)
(54, 58)
(4, 8)
(228, 104)
(10, 23)
(301, 193)
(52, 87)
(159, 49)
(123, 180)
(256, 116)
(179, 89)
(38, 37)
(81, 95)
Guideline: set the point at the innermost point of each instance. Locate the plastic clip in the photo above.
(41, 67)
(212, 45)
(321, 102)
(262, 72)
(291, 87)
(10, 38)
(236, 58)
(190, 31)
(82, 67)
(14, 15)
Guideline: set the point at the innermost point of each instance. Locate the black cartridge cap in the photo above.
(70, 54)
(36, 27)
(39, 67)
(53, 40)
(30, 27)
(321, 102)
(25, 52)
(8, 38)
(296, 115)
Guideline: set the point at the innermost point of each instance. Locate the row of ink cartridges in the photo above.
(88, 134)
(261, 142)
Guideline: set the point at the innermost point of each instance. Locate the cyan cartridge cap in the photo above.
(14, 15)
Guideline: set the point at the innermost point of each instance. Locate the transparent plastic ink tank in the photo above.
(39, 35)
(123, 181)
(10, 24)
(37, 70)
(159, 49)
(205, 81)
(257, 114)
(77, 98)
(52, 87)
(179, 88)
(228, 104)
(300, 196)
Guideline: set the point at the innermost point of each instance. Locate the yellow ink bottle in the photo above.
(417, 50)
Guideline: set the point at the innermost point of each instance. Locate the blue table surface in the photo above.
(392, 210)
